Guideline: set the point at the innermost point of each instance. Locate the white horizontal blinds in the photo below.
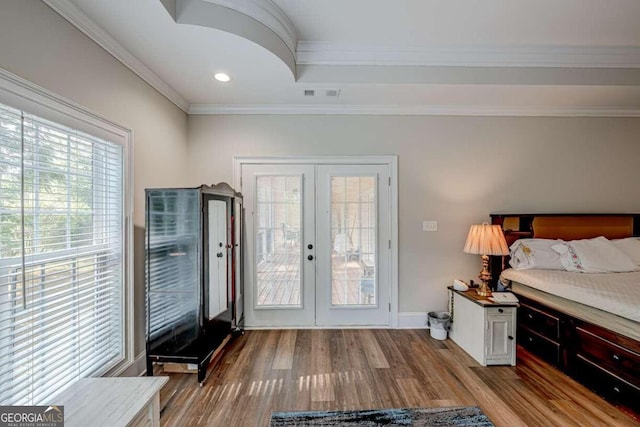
(64, 266)
(15, 330)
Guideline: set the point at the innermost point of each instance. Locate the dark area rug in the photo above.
(461, 416)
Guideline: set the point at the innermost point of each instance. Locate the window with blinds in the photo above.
(61, 256)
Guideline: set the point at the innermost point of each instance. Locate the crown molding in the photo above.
(328, 53)
(268, 14)
(82, 22)
(411, 110)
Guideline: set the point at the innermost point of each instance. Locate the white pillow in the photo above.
(597, 255)
(630, 246)
(535, 253)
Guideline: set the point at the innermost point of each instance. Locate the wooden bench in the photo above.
(112, 402)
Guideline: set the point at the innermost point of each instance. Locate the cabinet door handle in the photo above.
(530, 316)
(500, 310)
(510, 337)
(529, 339)
(310, 257)
(616, 389)
(616, 357)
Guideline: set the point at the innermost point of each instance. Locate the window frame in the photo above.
(27, 96)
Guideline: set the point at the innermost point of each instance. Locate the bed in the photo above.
(587, 325)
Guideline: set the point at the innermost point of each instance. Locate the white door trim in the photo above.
(390, 160)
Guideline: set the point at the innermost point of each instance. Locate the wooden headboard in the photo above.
(562, 226)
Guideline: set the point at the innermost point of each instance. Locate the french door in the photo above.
(280, 220)
(318, 240)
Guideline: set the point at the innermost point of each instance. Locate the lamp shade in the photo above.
(486, 239)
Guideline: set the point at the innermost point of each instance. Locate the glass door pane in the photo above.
(277, 239)
(353, 240)
(353, 253)
(218, 299)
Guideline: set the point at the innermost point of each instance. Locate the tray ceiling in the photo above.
(479, 57)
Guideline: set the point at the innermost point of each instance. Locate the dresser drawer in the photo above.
(539, 345)
(608, 355)
(500, 310)
(607, 384)
(536, 320)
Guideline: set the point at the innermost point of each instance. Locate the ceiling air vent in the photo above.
(331, 93)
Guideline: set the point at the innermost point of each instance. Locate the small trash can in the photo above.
(438, 323)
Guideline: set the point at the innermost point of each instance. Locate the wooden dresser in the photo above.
(608, 362)
(605, 361)
(539, 330)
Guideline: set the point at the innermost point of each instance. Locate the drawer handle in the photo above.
(500, 310)
(530, 316)
(530, 339)
(616, 389)
(510, 337)
(616, 357)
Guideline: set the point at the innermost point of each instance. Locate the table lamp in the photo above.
(486, 239)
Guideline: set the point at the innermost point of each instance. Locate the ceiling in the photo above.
(473, 57)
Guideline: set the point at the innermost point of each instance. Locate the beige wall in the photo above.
(452, 169)
(455, 170)
(39, 45)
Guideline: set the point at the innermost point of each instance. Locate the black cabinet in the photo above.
(193, 243)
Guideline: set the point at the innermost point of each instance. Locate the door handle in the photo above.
(310, 257)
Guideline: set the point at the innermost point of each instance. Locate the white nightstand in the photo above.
(484, 329)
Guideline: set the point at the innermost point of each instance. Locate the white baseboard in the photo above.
(406, 320)
(412, 320)
(138, 368)
(269, 328)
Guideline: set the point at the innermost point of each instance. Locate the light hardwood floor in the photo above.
(297, 370)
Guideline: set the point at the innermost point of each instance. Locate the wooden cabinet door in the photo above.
(500, 341)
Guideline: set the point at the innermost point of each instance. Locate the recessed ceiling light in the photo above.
(222, 77)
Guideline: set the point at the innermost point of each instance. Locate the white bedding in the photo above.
(617, 293)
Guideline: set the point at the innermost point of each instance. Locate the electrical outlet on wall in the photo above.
(429, 225)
